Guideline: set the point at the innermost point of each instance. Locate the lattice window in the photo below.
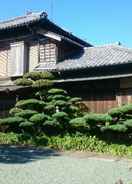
(48, 52)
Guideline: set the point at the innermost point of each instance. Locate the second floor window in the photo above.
(48, 52)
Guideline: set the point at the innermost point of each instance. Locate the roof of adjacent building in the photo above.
(91, 57)
(97, 57)
(35, 17)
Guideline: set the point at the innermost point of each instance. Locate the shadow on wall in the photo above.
(21, 155)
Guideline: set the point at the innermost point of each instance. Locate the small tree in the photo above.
(48, 106)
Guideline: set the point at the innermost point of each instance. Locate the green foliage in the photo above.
(75, 100)
(55, 91)
(38, 118)
(117, 127)
(119, 111)
(9, 138)
(78, 122)
(42, 83)
(26, 113)
(88, 143)
(93, 118)
(115, 112)
(128, 123)
(60, 103)
(57, 97)
(39, 75)
(60, 116)
(11, 121)
(26, 124)
(15, 110)
(23, 82)
(49, 108)
(32, 104)
(126, 109)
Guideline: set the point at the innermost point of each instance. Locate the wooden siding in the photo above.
(100, 96)
(100, 103)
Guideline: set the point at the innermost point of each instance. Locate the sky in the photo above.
(96, 21)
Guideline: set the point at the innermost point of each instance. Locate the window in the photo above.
(48, 52)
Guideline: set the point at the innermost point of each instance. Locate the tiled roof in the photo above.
(97, 57)
(34, 17)
(18, 21)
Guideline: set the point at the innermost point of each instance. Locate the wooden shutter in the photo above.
(3, 61)
(17, 61)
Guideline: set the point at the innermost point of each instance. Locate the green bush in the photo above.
(26, 113)
(78, 122)
(115, 112)
(39, 75)
(60, 116)
(120, 111)
(128, 123)
(60, 103)
(117, 128)
(88, 143)
(23, 82)
(57, 97)
(42, 83)
(62, 119)
(15, 110)
(9, 138)
(49, 108)
(11, 121)
(26, 124)
(75, 100)
(38, 118)
(32, 104)
(55, 91)
(93, 118)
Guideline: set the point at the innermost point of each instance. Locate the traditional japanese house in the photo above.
(101, 75)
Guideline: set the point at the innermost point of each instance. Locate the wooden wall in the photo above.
(100, 96)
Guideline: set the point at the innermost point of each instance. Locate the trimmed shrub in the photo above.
(39, 75)
(32, 104)
(26, 113)
(11, 121)
(60, 116)
(26, 124)
(15, 110)
(115, 112)
(75, 100)
(42, 83)
(38, 118)
(57, 97)
(78, 122)
(117, 128)
(54, 91)
(60, 103)
(23, 82)
(128, 123)
(93, 118)
(49, 108)
(126, 109)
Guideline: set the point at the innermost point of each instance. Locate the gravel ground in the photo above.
(45, 166)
